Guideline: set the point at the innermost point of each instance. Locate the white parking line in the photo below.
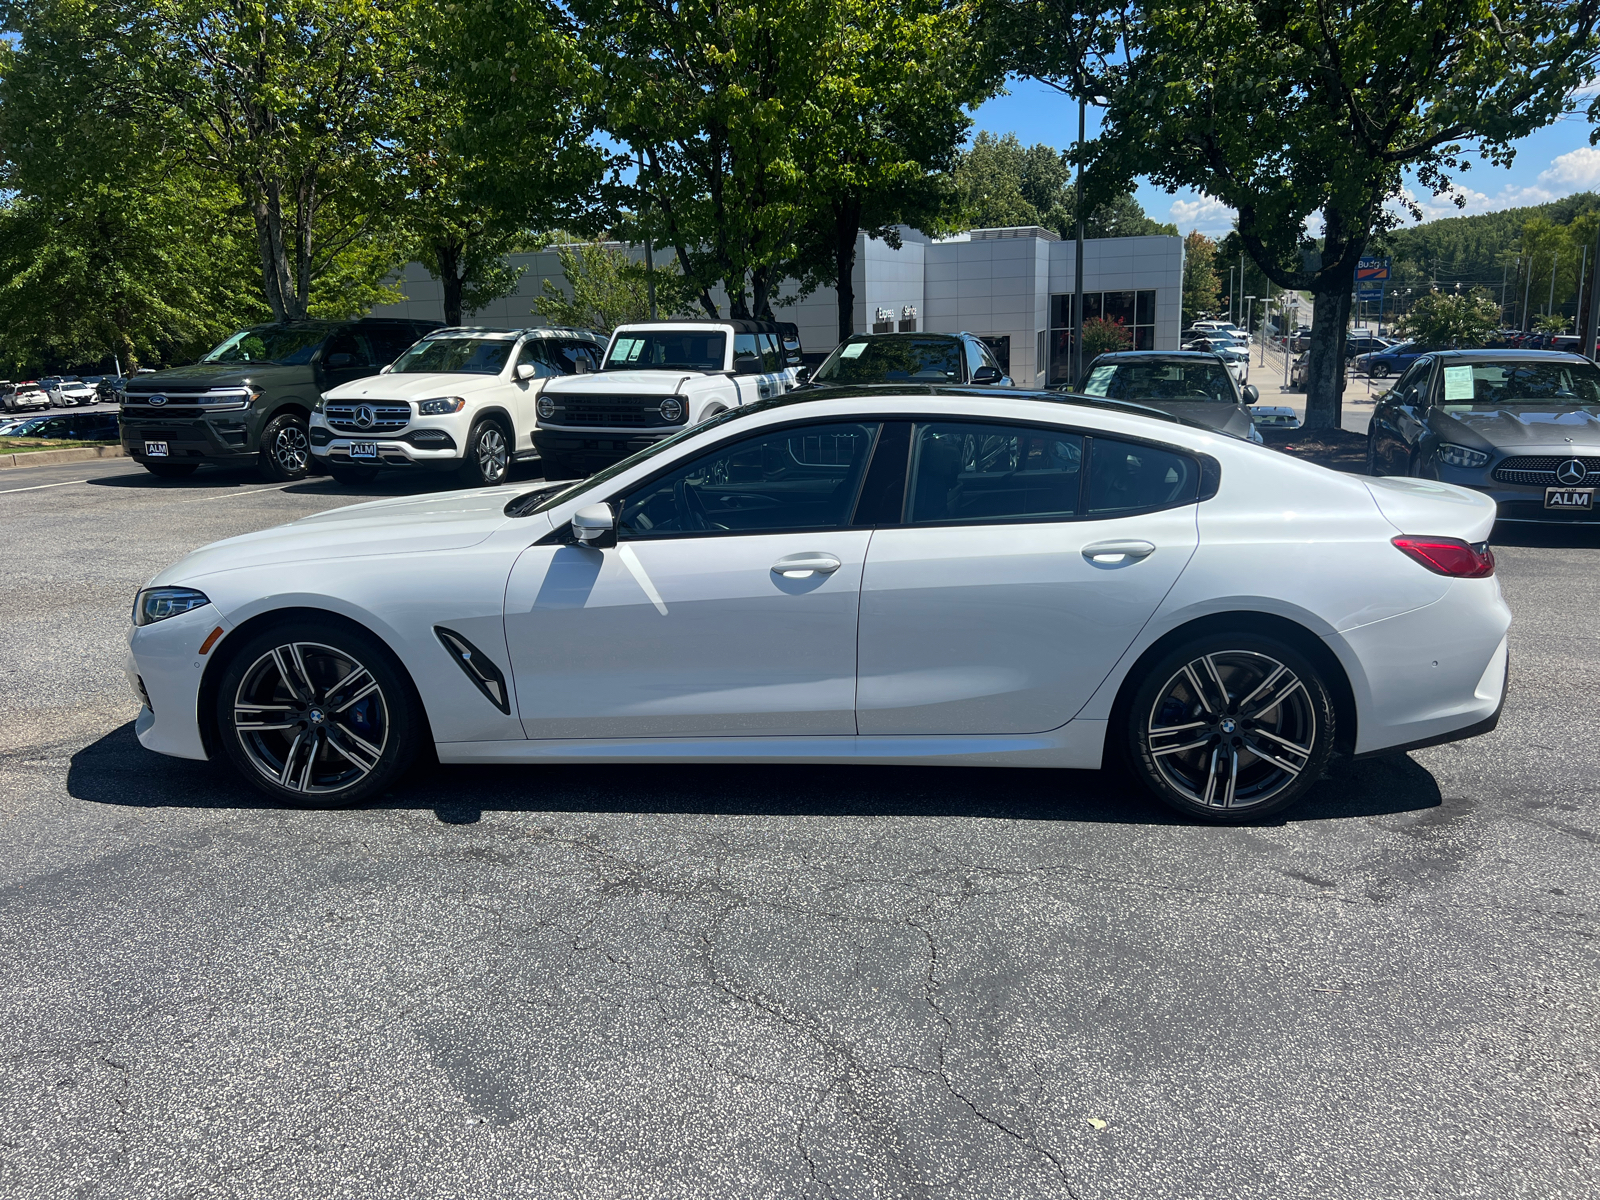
(37, 486)
(276, 487)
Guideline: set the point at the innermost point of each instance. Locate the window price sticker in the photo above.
(1458, 383)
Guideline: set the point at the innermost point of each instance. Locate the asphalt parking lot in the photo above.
(768, 981)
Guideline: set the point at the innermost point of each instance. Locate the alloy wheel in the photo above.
(493, 455)
(1232, 729)
(311, 718)
(292, 449)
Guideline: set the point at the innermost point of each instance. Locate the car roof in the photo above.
(901, 389)
(919, 333)
(527, 331)
(1179, 355)
(1503, 355)
(739, 324)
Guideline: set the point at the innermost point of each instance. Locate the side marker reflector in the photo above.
(211, 640)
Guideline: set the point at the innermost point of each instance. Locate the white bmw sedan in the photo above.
(966, 579)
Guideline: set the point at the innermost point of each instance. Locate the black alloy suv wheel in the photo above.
(317, 714)
(1231, 727)
(487, 461)
(285, 449)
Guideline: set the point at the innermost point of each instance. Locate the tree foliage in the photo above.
(1002, 183)
(1201, 288)
(609, 288)
(1464, 320)
(1105, 335)
(1285, 113)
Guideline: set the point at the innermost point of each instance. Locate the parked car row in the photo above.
(98, 426)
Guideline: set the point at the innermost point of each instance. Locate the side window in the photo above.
(973, 473)
(974, 355)
(355, 345)
(389, 344)
(746, 354)
(786, 480)
(771, 353)
(1126, 477)
(533, 352)
(1409, 389)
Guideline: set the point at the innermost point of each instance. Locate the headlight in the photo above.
(672, 409)
(159, 603)
(1452, 455)
(546, 407)
(440, 406)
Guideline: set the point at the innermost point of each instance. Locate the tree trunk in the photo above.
(447, 256)
(1330, 309)
(846, 225)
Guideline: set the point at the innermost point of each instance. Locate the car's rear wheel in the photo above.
(285, 449)
(171, 470)
(317, 714)
(488, 455)
(1231, 727)
(353, 476)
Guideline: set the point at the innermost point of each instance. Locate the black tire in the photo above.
(285, 449)
(352, 476)
(1372, 453)
(1199, 738)
(486, 461)
(293, 675)
(1378, 370)
(558, 467)
(170, 470)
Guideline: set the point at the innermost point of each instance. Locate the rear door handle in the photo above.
(800, 566)
(1111, 554)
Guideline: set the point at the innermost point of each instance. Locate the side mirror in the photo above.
(580, 365)
(802, 374)
(387, 369)
(1252, 394)
(336, 361)
(526, 370)
(747, 364)
(595, 526)
(987, 374)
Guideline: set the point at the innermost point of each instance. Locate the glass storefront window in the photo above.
(1136, 310)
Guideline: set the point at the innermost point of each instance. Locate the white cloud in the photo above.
(1575, 171)
(1207, 214)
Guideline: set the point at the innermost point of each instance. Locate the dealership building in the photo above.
(1012, 287)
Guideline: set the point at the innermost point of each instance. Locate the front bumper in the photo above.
(221, 437)
(1516, 503)
(595, 448)
(164, 667)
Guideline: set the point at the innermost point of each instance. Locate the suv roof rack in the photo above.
(519, 331)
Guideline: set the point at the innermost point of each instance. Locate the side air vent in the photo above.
(479, 667)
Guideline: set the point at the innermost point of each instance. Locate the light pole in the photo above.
(1077, 261)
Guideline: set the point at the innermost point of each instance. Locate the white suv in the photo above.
(459, 400)
(657, 378)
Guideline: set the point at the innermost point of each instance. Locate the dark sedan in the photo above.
(910, 358)
(1522, 426)
(78, 427)
(1190, 384)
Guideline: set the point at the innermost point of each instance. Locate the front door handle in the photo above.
(1113, 554)
(803, 566)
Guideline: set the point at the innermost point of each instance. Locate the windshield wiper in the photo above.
(522, 505)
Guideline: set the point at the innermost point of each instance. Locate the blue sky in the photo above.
(1551, 163)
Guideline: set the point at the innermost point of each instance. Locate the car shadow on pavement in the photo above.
(116, 770)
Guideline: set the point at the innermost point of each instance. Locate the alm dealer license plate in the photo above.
(363, 449)
(1570, 499)
(155, 450)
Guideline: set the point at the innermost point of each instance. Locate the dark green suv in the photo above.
(249, 399)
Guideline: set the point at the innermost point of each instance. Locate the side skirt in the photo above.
(1077, 744)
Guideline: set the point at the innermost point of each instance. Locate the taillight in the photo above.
(1449, 556)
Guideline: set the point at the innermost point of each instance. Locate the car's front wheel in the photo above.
(285, 449)
(1378, 370)
(1231, 727)
(488, 456)
(318, 714)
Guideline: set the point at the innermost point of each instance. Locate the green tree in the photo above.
(608, 288)
(1466, 320)
(990, 179)
(1104, 335)
(1552, 323)
(1200, 284)
(1286, 112)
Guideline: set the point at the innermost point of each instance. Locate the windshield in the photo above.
(893, 359)
(284, 344)
(668, 350)
(1490, 384)
(1194, 382)
(456, 356)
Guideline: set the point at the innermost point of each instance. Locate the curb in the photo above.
(45, 458)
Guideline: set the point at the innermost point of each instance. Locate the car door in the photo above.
(750, 376)
(1025, 562)
(727, 605)
(1401, 425)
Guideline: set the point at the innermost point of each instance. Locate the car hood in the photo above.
(220, 375)
(1557, 427)
(1224, 418)
(414, 387)
(638, 383)
(406, 525)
